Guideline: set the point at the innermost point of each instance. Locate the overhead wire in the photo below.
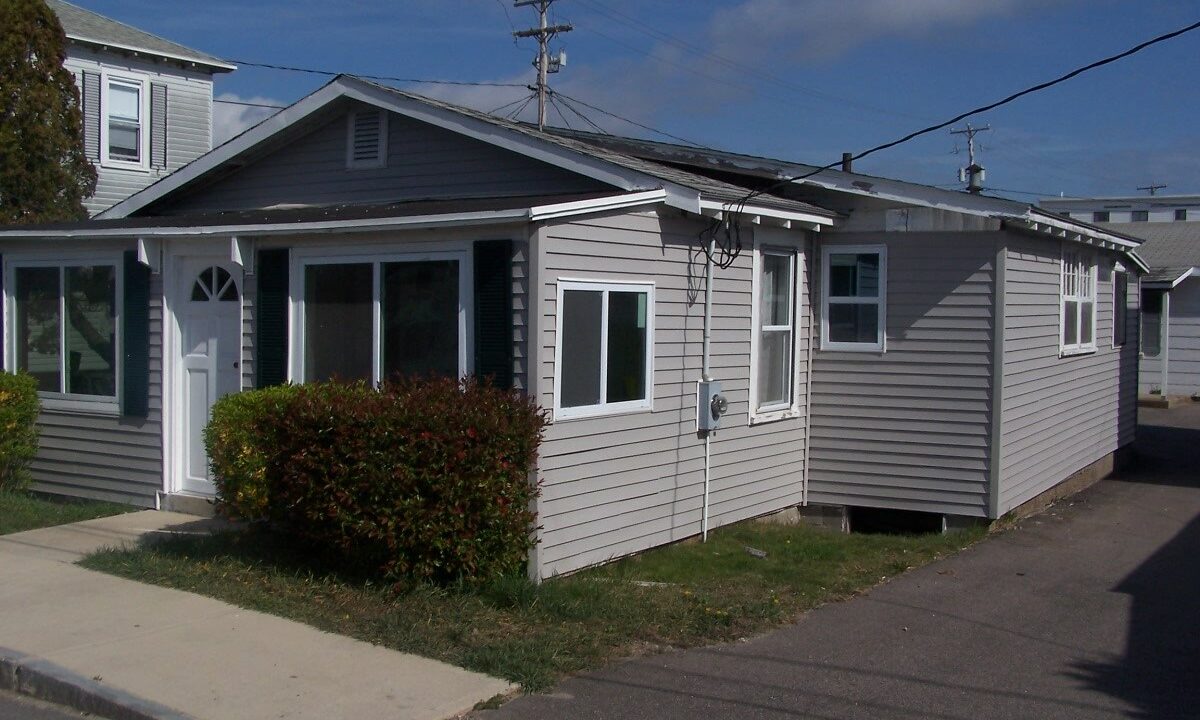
(581, 115)
(635, 123)
(384, 78)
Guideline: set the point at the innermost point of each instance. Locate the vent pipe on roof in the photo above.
(847, 162)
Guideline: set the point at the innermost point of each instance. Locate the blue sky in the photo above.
(802, 80)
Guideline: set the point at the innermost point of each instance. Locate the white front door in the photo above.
(208, 314)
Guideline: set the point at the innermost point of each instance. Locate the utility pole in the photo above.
(973, 175)
(1152, 187)
(545, 65)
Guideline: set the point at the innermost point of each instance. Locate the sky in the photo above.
(800, 80)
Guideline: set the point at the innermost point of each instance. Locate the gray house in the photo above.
(147, 102)
(879, 344)
(1170, 306)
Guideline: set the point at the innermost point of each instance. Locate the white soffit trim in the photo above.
(806, 221)
(217, 65)
(494, 217)
(580, 207)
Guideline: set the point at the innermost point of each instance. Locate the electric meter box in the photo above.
(711, 405)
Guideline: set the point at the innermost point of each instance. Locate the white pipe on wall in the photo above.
(705, 376)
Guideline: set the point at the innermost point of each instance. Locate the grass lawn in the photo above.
(680, 596)
(20, 511)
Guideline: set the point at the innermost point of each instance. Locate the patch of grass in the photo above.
(680, 596)
(21, 511)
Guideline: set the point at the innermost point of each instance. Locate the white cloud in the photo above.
(231, 119)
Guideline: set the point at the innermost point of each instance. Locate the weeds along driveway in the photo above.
(1090, 610)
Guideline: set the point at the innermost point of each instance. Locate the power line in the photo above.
(505, 106)
(985, 108)
(602, 111)
(384, 78)
(249, 104)
(583, 117)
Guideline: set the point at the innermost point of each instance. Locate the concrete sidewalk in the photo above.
(128, 650)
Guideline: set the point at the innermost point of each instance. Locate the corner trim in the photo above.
(999, 284)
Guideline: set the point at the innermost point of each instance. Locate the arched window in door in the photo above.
(214, 283)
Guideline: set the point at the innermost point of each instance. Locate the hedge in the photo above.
(19, 409)
(423, 479)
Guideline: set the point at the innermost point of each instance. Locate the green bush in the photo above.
(19, 409)
(420, 480)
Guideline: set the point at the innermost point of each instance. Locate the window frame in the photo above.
(1123, 340)
(108, 405)
(880, 344)
(1085, 259)
(790, 409)
(303, 257)
(142, 86)
(603, 408)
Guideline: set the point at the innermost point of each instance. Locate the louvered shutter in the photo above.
(158, 125)
(494, 311)
(91, 115)
(367, 139)
(135, 338)
(270, 340)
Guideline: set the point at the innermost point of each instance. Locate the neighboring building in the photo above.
(1170, 362)
(880, 344)
(1143, 208)
(147, 102)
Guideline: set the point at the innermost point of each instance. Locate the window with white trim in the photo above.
(854, 298)
(125, 130)
(1078, 302)
(1120, 306)
(774, 343)
(603, 348)
(64, 329)
(373, 318)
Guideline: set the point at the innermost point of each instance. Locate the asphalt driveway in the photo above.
(1091, 610)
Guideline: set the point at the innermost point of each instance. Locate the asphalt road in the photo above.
(1091, 610)
(19, 707)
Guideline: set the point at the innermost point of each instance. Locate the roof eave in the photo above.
(216, 66)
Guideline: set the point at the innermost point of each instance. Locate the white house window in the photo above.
(65, 332)
(603, 348)
(1078, 303)
(371, 320)
(124, 122)
(775, 339)
(854, 298)
(1120, 307)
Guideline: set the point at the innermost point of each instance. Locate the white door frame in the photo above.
(174, 289)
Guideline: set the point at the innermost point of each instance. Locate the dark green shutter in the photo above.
(3, 306)
(135, 338)
(494, 311)
(271, 317)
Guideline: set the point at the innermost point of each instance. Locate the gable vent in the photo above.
(366, 144)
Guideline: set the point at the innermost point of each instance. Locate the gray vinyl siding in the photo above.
(423, 162)
(1183, 351)
(104, 457)
(618, 484)
(909, 428)
(1059, 414)
(188, 124)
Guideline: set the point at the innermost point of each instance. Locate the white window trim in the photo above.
(1079, 348)
(381, 159)
(144, 123)
(604, 408)
(880, 344)
(1119, 268)
(791, 409)
(302, 258)
(61, 401)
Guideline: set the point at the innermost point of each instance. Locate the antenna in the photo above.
(973, 175)
(544, 63)
(1152, 187)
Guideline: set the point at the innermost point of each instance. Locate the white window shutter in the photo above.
(90, 98)
(158, 125)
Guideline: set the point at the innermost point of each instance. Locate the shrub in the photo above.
(421, 480)
(19, 409)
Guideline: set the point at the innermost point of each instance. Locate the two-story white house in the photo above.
(147, 102)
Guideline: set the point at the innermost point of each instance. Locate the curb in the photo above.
(46, 681)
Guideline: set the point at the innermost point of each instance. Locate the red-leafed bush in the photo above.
(424, 479)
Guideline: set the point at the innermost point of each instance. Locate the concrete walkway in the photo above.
(128, 650)
(1090, 610)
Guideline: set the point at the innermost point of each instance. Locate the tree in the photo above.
(44, 174)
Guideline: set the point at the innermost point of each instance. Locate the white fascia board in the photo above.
(807, 220)
(532, 147)
(102, 44)
(1172, 284)
(1066, 226)
(225, 152)
(495, 217)
(1138, 261)
(582, 207)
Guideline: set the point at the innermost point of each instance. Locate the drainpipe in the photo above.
(706, 376)
(1164, 338)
